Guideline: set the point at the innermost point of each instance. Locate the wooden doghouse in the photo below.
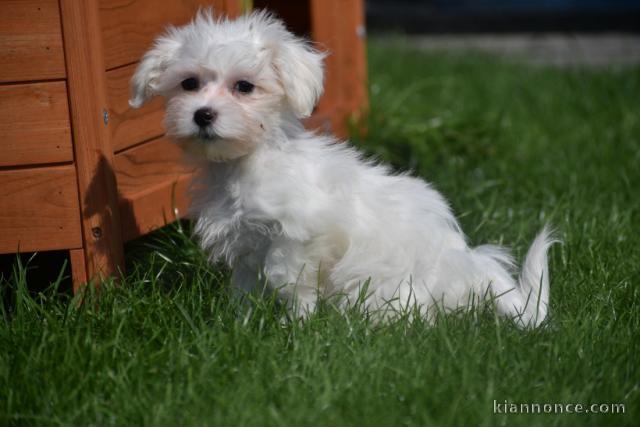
(82, 171)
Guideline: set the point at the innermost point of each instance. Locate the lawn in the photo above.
(512, 147)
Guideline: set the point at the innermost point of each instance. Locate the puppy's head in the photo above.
(229, 85)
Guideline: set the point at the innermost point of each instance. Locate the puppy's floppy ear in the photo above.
(151, 67)
(300, 71)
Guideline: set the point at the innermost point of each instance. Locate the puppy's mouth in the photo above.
(207, 135)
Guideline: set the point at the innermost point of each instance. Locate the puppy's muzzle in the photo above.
(204, 117)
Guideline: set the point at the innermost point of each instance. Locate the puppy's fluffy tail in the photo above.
(534, 280)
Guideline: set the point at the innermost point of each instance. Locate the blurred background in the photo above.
(596, 32)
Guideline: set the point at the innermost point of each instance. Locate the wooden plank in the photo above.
(324, 15)
(34, 124)
(30, 40)
(92, 147)
(130, 125)
(233, 8)
(338, 28)
(78, 269)
(353, 57)
(130, 26)
(156, 208)
(153, 181)
(39, 209)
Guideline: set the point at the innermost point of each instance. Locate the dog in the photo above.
(299, 213)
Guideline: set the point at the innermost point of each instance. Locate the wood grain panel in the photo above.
(130, 125)
(130, 26)
(78, 269)
(30, 40)
(91, 138)
(324, 15)
(338, 28)
(34, 124)
(152, 184)
(39, 210)
(352, 56)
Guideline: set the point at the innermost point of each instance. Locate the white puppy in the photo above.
(298, 211)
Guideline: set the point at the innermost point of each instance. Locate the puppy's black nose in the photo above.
(204, 117)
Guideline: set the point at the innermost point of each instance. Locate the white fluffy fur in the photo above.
(305, 215)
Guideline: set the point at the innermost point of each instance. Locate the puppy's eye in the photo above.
(190, 84)
(244, 86)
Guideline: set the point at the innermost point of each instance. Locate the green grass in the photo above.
(512, 147)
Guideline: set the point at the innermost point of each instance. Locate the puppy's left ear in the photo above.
(300, 70)
(151, 67)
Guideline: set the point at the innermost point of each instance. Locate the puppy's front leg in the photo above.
(244, 278)
(295, 276)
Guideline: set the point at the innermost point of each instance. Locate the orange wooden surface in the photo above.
(323, 13)
(130, 126)
(152, 185)
(231, 8)
(34, 124)
(338, 28)
(78, 268)
(130, 26)
(39, 209)
(30, 40)
(352, 55)
(92, 147)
